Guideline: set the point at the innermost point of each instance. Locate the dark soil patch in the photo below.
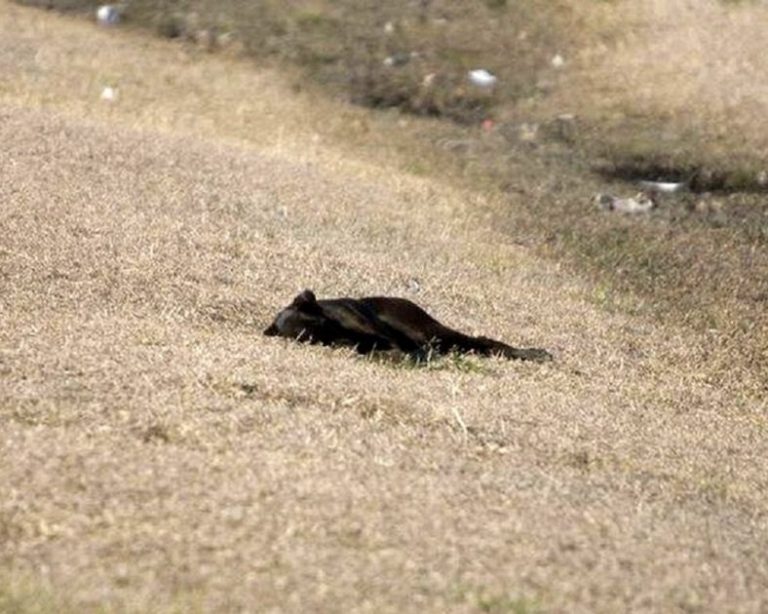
(698, 179)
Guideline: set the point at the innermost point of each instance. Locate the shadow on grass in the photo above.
(463, 363)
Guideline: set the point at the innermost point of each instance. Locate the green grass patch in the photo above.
(464, 363)
(23, 595)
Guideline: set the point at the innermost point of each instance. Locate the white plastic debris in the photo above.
(109, 94)
(641, 203)
(482, 78)
(558, 61)
(399, 59)
(389, 27)
(413, 284)
(108, 15)
(668, 187)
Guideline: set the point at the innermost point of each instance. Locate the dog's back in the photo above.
(382, 323)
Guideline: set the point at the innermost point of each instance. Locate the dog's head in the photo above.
(301, 320)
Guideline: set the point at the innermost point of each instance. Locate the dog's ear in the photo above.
(305, 300)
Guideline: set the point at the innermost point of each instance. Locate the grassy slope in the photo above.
(655, 89)
(158, 453)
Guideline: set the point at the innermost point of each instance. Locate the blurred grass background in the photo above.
(638, 75)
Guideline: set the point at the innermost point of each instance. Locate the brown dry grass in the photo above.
(655, 89)
(343, 43)
(158, 454)
(682, 83)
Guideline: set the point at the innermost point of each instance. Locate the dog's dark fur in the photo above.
(383, 323)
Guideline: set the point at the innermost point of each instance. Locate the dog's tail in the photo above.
(491, 347)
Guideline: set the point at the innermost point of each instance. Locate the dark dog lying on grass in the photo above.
(383, 323)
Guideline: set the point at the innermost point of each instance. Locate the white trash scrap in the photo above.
(482, 78)
(641, 203)
(109, 94)
(667, 187)
(398, 59)
(108, 15)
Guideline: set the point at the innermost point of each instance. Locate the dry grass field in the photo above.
(646, 89)
(157, 454)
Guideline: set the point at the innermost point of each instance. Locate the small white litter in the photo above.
(641, 203)
(413, 284)
(389, 27)
(668, 187)
(400, 59)
(558, 61)
(482, 78)
(108, 15)
(109, 94)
